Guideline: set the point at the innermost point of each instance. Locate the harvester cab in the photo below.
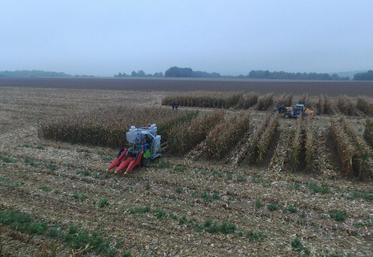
(295, 111)
(144, 145)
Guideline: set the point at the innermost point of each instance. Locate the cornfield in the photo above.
(303, 148)
(346, 106)
(106, 127)
(354, 155)
(325, 105)
(364, 106)
(242, 101)
(262, 139)
(285, 100)
(310, 147)
(203, 101)
(247, 100)
(225, 136)
(297, 147)
(264, 102)
(186, 135)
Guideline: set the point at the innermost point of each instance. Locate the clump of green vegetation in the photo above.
(273, 206)
(361, 195)
(316, 188)
(162, 164)
(4, 181)
(52, 167)
(258, 203)
(297, 246)
(291, 208)
(241, 179)
(338, 215)
(209, 225)
(126, 254)
(45, 188)
(160, 214)
(215, 227)
(255, 236)
(55, 232)
(139, 210)
(7, 159)
(179, 168)
(77, 238)
(22, 222)
(210, 197)
(296, 186)
(367, 223)
(79, 196)
(257, 179)
(31, 162)
(103, 202)
(84, 173)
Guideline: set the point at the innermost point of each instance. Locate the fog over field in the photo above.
(103, 38)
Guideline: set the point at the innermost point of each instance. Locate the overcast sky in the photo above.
(227, 36)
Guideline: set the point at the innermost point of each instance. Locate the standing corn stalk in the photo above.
(310, 146)
(296, 146)
(225, 136)
(354, 154)
(368, 132)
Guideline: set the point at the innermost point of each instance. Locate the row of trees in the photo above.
(177, 72)
(259, 74)
(364, 75)
(139, 73)
(33, 74)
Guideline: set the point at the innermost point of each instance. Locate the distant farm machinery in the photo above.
(295, 111)
(144, 145)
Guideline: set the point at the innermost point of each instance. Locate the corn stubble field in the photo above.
(235, 179)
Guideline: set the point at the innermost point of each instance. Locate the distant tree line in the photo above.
(178, 72)
(139, 73)
(364, 75)
(33, 74)
(259, 74)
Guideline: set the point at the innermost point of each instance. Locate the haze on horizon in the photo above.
(229, 37)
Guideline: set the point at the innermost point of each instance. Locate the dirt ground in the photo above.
(154, 211)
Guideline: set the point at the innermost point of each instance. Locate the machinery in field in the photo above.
(143, 145)
(295, 111)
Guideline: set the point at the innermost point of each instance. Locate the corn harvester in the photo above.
(143, 144)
